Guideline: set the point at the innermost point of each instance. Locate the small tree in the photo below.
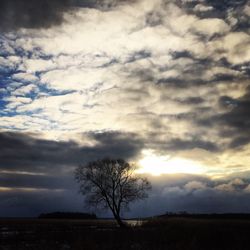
(111, 183)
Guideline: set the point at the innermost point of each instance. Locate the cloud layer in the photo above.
(98, 78)
(16, 14)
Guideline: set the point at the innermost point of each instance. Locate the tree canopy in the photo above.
(111, 183)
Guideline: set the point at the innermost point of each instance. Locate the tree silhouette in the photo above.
(111, 183)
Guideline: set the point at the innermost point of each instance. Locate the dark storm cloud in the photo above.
(138, 55)
(225, 9)
(22, 151)
(191, 100)
(224, 78)
(177, 192)
(179, 144)
(181, 54)
(153, 18)
(31, 13)
(199, 65)
(116, 144)
(26, 180)
(15, 14)
(26, 153)
(182, 82)
(173, 82)
(192, 73)
(239, 141)
(237, 120)
(234, 123)
(46, 168)
(224, 5)
(57, 190)
(239, 116)
(220, 8)
(195, 194)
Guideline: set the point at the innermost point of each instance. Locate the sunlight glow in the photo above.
(157, 165)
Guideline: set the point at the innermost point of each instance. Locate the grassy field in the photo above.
(161, 233)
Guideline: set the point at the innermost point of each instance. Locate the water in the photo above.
(134, 223)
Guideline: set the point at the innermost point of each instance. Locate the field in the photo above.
(162, 233)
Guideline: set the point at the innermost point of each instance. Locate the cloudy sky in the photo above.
(163, 84)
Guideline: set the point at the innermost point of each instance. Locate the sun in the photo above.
(157, 165)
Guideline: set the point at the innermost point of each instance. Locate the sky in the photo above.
(163, 84)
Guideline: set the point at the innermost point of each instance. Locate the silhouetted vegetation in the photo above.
(110, 184)
(67, 215)
(171, 233)
(183, 214)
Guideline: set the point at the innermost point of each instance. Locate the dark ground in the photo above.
(176, 233)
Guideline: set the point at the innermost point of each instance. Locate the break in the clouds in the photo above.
(81, 80)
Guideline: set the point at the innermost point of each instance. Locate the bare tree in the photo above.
(111, 183)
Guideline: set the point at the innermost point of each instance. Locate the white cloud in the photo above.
(231, 186)
(247, 10)
(24, 90)
(13, 102)
(34, 65)
(210, 26)
(247, 189)
(110, 64)
(195, 185)
(202, 8)
(75, 78)
(236, 46)
(24, 77)
(10, 62)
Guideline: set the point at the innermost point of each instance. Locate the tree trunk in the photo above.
(119, 221)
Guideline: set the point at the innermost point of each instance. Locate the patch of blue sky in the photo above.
(8, 47)
(4, 51)
(2, 106)
(6, 71)
(33, 95)
(39, 53)
(5, 81)
(53, 92)
(12, 113)
(12, 128)
(31, 54)
(7, 85)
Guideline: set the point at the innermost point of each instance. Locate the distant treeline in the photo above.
(206, 216)
(67, 215)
